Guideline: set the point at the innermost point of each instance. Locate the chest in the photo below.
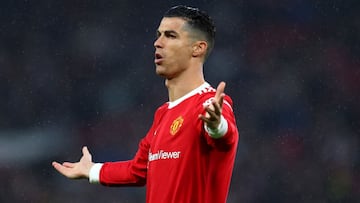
(177, 129)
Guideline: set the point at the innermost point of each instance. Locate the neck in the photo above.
(180, 86)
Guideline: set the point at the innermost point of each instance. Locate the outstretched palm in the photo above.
(76, 170)
(213, 111)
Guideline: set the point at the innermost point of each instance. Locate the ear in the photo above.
(199, 48)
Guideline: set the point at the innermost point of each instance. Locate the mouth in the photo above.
(158, 58)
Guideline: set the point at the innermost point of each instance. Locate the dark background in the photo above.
(76, 73)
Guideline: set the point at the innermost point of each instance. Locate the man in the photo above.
(188, 153)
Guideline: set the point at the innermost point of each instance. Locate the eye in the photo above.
(170, 34)
(157, 35)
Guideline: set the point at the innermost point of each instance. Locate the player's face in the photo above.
(173, 48)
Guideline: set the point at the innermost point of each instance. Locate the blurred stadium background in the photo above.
(76, 73)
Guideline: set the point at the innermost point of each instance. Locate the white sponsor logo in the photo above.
(161, 154)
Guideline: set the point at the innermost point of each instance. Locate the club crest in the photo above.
(176, 125)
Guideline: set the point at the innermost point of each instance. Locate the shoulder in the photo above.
(161, 110)
(204, 96)
(207, 90)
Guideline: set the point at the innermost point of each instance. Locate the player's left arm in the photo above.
(219, 121)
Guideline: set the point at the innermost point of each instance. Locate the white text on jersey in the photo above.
(164, 155)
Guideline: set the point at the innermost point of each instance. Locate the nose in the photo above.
(158, 42)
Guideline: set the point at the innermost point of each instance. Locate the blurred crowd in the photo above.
(82, 73)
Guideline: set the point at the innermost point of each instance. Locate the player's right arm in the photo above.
(120, 173)
(128, 173)
(123, 173)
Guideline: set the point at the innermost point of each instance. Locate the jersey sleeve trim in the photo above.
(220, 131)
(94, 174)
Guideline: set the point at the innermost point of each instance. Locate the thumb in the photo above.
(86, 153)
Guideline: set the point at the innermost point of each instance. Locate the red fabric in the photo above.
(177, 160)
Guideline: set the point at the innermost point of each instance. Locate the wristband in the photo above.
(220, 131)
(94, 173)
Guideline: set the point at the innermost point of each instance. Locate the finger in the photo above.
(86, 152)
(62, 169)
(221, 100)
(209, 122)
(212, 115)
(68, 165)
(54, 163)
(203, 118)
(217, 107)
(220, 91)
(64, 165)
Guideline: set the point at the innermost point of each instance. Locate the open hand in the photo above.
(213, 111)
(76, 170)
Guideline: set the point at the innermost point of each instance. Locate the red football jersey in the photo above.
(177, 159)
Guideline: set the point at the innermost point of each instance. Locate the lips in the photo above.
(158, 58)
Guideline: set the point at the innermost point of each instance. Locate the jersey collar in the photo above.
(191, 93)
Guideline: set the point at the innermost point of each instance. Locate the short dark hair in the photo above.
(198, 20)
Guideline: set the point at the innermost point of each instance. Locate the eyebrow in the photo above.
(167, 32)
